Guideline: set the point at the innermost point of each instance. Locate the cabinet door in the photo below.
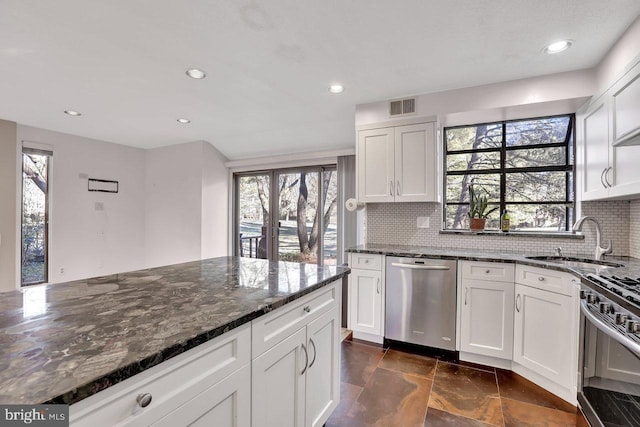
(375, 165)
(223, 404)
(365, 311)
(416, 165)
(595, 146)
(487, 318)
(625, 107)
(544, 329)
(278, 384)
(323, 374)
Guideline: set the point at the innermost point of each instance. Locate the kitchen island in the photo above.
(65, 342)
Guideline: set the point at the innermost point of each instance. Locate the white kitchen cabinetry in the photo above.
(296, 371)
(211, 380)
(366, 296)
(625, 107)
(486, 297)
(608, 138)
(545, 347)
(398, 164)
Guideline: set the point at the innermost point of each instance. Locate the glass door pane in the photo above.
(253, 216)
(330, 220)
(298, 222)
(34, 217)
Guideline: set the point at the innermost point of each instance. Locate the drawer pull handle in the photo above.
(306, 360)
(315, 352)
(541, 279)
(487, 271)
(307, 309)
(144, 399)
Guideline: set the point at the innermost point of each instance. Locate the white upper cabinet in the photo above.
(398, 164)
(609, 141)
(626, 108)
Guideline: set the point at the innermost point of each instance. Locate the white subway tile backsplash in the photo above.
(395, 223)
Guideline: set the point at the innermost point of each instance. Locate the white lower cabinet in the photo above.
(366, 297)
(223, 405)
(487, 318)
(296, 382)
(545, 344)
(210, 379)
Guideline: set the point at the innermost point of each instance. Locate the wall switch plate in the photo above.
(99, 206)
(423, 222)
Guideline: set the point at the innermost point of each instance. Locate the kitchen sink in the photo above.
(585, 263)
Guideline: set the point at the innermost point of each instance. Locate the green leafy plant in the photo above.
(479, 203)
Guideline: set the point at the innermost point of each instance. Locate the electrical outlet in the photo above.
(61, 270)
(423, 222)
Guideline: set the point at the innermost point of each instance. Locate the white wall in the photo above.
(623, 52)
(87, 242)
(215, 187)
(551, 92)
(9, 248)
(186, 204)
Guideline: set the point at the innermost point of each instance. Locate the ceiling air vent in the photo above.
(402, 106)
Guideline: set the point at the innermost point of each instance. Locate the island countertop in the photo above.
(63, 342)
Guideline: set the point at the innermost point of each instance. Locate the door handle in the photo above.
(315, 353)
(602, 177)
(466, 290)
(518, 303)
(398, 192)
(306, 360)
(391, 188)
(421, 267)
(595, 321)
(378, 285)
(606, 176)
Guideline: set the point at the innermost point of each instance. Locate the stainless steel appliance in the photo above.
(421, 301)
(609, 377)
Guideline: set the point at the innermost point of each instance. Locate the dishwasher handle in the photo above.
(421, 266)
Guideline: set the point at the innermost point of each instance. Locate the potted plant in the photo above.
(478, 205)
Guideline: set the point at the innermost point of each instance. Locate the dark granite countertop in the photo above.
(61, 343)
(629, 266)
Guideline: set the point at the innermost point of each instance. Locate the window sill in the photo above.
(552, 235)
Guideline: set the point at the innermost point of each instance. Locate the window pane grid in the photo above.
(532, 158)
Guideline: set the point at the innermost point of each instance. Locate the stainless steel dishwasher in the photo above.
(421, 301)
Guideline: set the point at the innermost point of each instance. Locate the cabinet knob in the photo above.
(144, 399)
(307, 309)
(366, 261)
(487, 271)
(541, 279)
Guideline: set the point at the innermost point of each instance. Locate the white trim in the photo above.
(37, 145)
(398, 122)
(288, 160)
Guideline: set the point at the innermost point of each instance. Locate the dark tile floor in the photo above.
(387, 387)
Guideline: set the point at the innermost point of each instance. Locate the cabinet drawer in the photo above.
(493, 271)
(171, 383)
(366, 261)
(548, 280)
(270, 329)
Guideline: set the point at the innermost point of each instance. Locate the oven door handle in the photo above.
(611, 332)
(421, 266)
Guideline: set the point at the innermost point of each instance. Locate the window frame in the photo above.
(569, 168)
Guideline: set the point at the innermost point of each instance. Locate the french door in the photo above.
(303, 228)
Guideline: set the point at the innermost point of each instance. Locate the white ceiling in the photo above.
(122, 62)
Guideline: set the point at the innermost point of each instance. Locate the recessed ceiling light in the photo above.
(183, 121)
(72, 113)
(558, 46)
(196, 73)
(336, 88)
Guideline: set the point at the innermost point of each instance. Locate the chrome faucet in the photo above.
(599, 250)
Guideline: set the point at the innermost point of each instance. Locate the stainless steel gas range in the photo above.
(609, 377)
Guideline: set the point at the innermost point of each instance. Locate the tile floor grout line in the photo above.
(504, 423)
(435, 369)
